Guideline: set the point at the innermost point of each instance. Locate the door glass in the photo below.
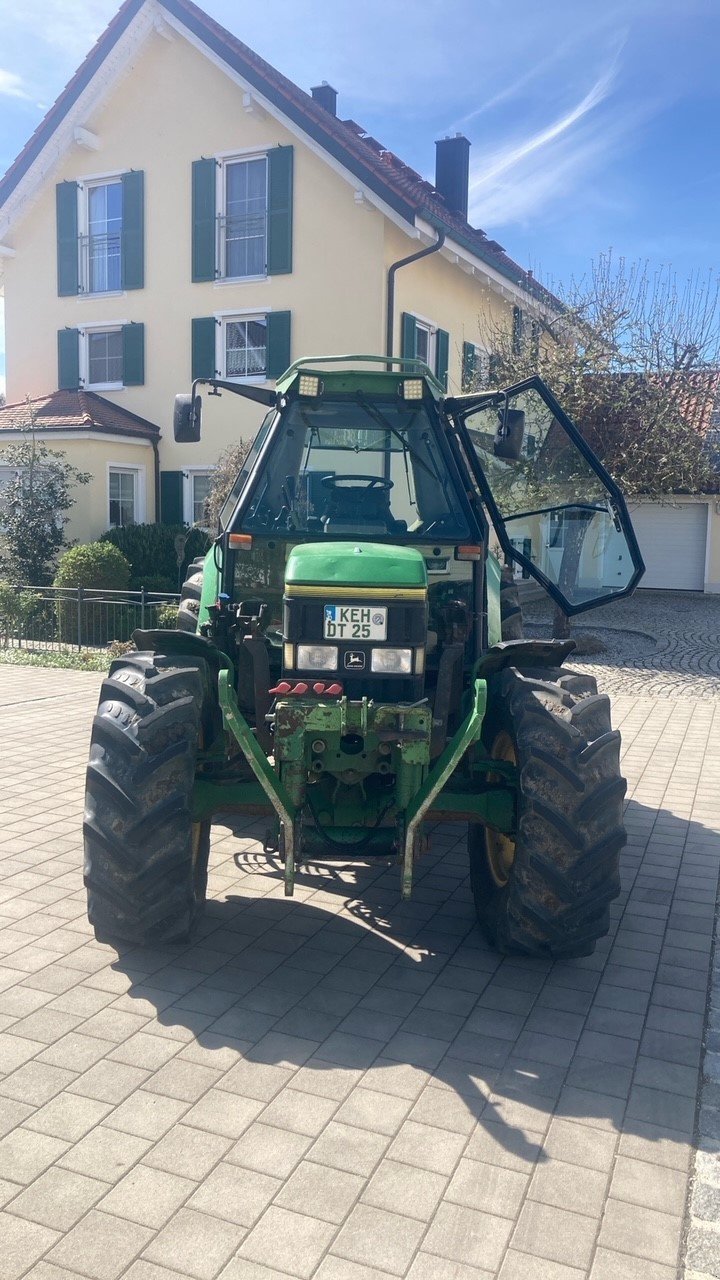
(559, 517)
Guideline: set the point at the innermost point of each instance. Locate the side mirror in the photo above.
(509, 435)
(187, 417)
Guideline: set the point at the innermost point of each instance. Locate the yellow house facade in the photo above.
(186, 211)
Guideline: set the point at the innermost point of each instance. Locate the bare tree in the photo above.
(227, 469)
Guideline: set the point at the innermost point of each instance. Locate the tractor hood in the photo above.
(359, 564)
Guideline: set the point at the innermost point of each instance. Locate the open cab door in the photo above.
(556, 511)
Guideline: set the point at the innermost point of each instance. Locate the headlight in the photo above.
(317, 657)
(391, 661)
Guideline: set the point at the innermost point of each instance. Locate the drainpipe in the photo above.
(156, 456)
(403, 262)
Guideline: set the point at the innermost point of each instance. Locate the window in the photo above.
(244, 347)
(123, 494)
(424, 343)
(242, 226)
(197, 483)
(100, 246)
(338, 470)
(104, 358)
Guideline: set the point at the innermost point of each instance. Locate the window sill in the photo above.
(222, 281)
(104, 386)
(255, 380)
(101, 293)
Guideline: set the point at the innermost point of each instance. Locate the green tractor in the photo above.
(348, 662)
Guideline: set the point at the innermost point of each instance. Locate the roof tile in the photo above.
(76, 411)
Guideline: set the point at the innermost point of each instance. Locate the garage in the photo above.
(672, 541)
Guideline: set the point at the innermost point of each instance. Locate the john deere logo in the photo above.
(354, 660)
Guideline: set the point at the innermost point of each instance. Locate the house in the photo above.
(184, 210)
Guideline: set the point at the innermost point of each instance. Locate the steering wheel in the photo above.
(376, 483)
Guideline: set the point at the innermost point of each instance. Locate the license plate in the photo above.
(354, 622)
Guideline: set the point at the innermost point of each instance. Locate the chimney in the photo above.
(326, 97)
(452, 170)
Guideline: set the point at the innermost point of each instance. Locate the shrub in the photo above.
(95, 566)
(152, 552)
(18, 610)
(166, 617)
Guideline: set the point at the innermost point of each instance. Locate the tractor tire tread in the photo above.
(570, 829)
(138, 827)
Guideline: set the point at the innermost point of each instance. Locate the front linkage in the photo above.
(320, 744)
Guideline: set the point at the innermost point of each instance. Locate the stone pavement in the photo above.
(344, 1087)
(662, 644)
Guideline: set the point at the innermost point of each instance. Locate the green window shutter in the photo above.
(408, 336)
(171, 497)
(442, 356)
(66, 209)
(203, 347)
(493, 370)
(203, 219)
(278, 343)
(68, 359)
(468, 365)
(517, 331)
(133, 229)
(133, 349)
(535, 341)
(280, 202)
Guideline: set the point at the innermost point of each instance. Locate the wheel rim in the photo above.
(499, 847)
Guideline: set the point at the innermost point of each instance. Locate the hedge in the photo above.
(151, 552)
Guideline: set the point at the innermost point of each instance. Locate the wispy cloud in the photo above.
(11, 85)
(525, 175)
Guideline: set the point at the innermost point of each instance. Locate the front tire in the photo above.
(145, 859)
(546, 891)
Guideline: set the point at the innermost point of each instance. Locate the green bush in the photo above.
(151, 552)
(95, 566)
(18, 611)
(166, 617)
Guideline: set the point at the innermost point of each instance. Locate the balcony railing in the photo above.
(100, 263)
(241, 245)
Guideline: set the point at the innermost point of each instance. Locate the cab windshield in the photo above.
(357, 466)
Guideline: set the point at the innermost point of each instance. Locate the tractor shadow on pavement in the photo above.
(345, 985)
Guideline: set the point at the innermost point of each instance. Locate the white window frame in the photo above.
(139, 472)
(225, 317)
(189, 474)
(85, 185)
(224, 160)
(429, 327)
(84, 353)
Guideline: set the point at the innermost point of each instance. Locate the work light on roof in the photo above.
(309, 385)
(412, 389)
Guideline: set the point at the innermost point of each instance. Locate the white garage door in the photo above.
(672, 542)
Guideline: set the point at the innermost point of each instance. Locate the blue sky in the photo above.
(591, 125)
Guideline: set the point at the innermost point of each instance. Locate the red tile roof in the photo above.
(76, 411)
(374, 165)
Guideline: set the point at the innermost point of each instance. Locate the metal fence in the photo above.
(62, 618)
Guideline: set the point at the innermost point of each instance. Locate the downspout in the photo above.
(156, 458)
(403, 262)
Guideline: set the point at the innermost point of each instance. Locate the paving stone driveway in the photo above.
(344, 1087)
